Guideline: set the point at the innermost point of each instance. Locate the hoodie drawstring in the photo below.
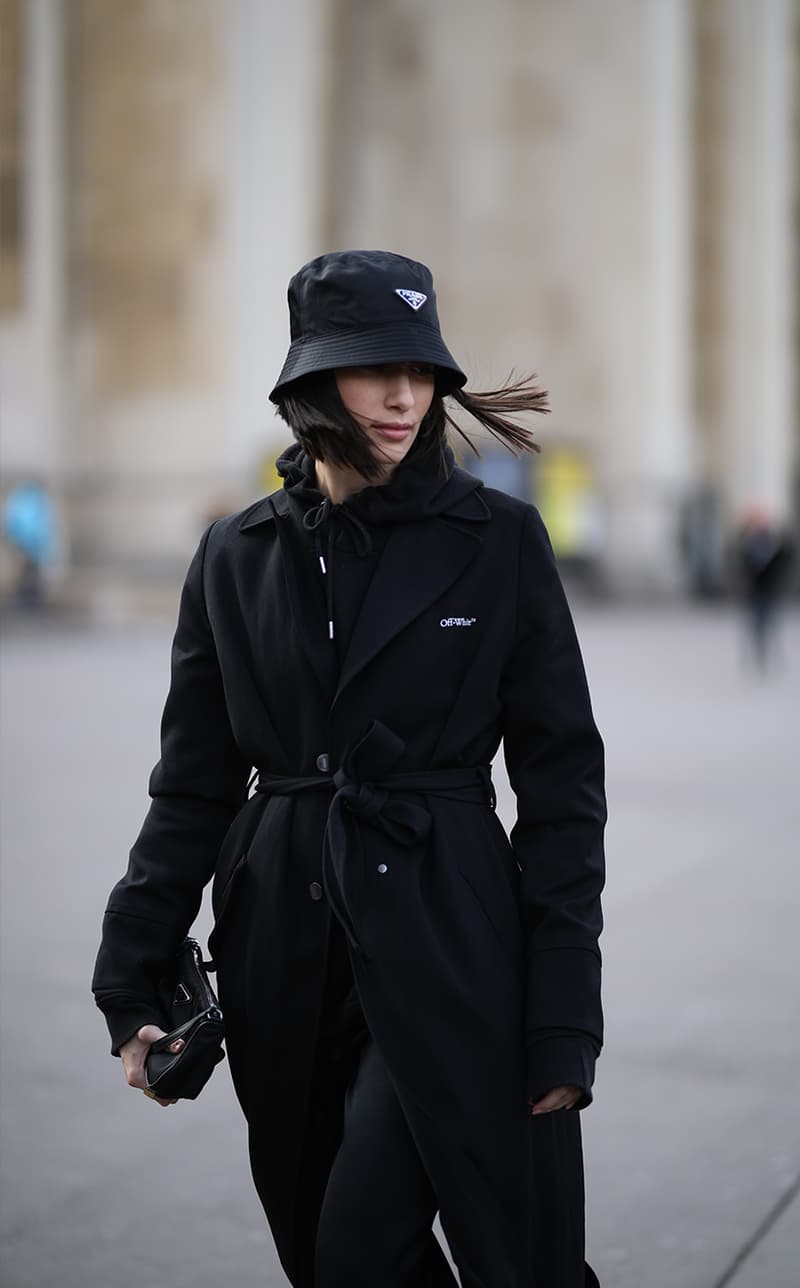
(321, 516)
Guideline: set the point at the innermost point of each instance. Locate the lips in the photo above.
(395, 432)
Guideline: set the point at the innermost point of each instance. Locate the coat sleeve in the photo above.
(554, 756)
(197, 787)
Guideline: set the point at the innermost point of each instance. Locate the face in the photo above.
(389, 402)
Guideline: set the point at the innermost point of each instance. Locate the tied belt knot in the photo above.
(375, 798)
(365, 799)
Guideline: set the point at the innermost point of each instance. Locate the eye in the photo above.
(417, 369)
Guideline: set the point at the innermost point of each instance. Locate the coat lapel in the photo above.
(419, 562)
(299, 573)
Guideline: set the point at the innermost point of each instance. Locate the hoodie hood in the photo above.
(421, 487)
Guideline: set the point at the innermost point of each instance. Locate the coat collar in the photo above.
(419, 562)
(264, 511)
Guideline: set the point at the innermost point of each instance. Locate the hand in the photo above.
(558, 1098)
(134, 1053)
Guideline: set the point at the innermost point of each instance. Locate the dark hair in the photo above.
(322, 425)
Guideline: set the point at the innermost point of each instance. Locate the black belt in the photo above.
(376, 800)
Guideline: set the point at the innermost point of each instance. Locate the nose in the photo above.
(400, 392)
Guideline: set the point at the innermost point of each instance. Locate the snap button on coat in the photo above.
(323, 762)
(315, 890)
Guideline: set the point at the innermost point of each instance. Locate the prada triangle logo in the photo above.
(414, 299)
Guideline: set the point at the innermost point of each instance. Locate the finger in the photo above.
(150, 1033)
(554, 1107)
(159, 1100)
(546, 1105)
(552, 1101)
(135, 1076)
(133, 1066)
(134, 1054)
(557, 1098)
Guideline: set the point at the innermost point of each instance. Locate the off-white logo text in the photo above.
(458, 621)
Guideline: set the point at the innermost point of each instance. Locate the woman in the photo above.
(411, 1002)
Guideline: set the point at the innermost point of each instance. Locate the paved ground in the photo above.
(693, 1144)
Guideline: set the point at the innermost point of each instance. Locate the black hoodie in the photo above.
(345, 541)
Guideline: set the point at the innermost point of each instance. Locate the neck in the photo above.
(338, 482)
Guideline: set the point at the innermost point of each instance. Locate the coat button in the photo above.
(315, 890)
(323, 762)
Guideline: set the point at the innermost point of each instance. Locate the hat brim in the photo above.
(415, 343)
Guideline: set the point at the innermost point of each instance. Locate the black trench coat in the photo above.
(476, 959)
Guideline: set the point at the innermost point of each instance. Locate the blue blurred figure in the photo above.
(29, 528)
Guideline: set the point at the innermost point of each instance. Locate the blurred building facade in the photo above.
(607, 193)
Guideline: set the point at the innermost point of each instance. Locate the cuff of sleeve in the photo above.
(561, 1062)
(124, 1019)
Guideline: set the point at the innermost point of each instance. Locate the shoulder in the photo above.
(228, 542)
(509, 508)
(231, 528)
(508, 514)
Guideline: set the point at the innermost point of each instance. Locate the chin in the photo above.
(389, 455)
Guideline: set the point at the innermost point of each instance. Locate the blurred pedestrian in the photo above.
(764, 564)
(411, 1001)
(29, 528)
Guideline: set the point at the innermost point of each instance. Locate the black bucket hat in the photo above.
(355, 308)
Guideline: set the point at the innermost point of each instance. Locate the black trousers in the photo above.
(379, 1207)
(376, 1205)
(374, 1201)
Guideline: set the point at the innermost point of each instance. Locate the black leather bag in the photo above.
(193, 1013)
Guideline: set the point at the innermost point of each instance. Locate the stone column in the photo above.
(275, 75)
(648, 461)
(756, 396)
(147, 336)
(33, 426)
